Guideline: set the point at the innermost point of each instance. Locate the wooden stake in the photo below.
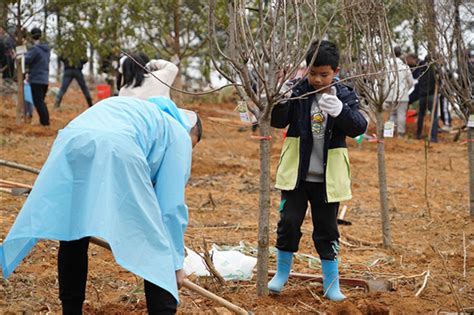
(189, 285)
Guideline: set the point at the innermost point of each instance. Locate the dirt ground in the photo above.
(226, 170)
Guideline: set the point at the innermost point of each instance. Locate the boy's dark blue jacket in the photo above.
(37, 58)
(297, 114)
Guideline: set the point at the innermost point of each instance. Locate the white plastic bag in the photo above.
(232, 265)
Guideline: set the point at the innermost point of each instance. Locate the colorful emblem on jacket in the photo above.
(317, 123)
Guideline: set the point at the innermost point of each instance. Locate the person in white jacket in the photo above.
(139, 83)
(399, 84)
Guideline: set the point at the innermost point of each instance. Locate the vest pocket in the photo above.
(338, 175)
(287, 171)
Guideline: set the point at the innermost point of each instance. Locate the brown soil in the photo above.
(226, 169)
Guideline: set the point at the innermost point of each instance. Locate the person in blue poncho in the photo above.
(118, 171)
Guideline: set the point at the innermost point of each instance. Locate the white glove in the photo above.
(154, 65)
(330, 104)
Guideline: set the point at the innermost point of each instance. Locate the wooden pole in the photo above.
(19, 166)
(14, 184)
(189, 285)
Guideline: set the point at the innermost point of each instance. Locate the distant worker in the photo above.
(37, 61)
(73, 70)
(398, 84)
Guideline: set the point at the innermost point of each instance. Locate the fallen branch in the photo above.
(450, 283)
(425, 281)
(361, 242)
(408, 277)
(189, 285)
(206, 257)
(19, 166)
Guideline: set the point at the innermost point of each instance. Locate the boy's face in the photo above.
(321, 77)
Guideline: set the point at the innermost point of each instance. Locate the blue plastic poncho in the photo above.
(118, 172)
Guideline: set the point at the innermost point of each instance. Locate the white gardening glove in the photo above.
(330, 104)
(154, 65)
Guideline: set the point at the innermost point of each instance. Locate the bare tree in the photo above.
(22, 13)
(370, 42)
(266, 41)
(444, 34)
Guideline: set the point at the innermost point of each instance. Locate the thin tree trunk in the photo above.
(386, 233)
(58, 39)
(470, 153)
(91, 65)
(178, 82)
(20, 105)
(264, 208)
(45, 11)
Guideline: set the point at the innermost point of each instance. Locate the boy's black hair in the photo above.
(327, 54)
(133, 74)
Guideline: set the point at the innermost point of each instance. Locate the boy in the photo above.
(314, 164)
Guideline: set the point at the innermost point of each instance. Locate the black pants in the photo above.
(72, 270)
(324, 215)
(68, 76)
(38, 91)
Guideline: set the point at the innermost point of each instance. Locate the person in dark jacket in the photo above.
(7, 55)
(37, 60)
(314, 165)
(428, 96)
(73, 70)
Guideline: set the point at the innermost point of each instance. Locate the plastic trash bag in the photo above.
(232, 265)
(28, 99)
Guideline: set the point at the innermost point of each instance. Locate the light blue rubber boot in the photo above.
(284, 260)
(331, 280)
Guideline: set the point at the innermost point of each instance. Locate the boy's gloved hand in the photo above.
(330, 104)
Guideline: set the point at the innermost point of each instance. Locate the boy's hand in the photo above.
(180, 275)
(330, 104)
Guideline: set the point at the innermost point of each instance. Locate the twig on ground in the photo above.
(450, 283)
(425, 281)
(315, 296)
(408, 277)
(209, 264)
(308, 307)
(465, 253)
(209, 201)
(361, 242)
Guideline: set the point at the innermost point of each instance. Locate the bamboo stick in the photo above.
(15, 184)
